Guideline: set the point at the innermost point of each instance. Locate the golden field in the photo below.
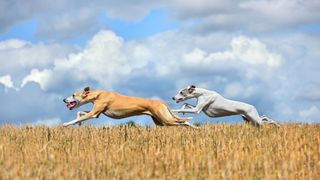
(219, 151)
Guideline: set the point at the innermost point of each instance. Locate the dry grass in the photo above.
(213, 151)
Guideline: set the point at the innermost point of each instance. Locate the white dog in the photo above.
(214, 105)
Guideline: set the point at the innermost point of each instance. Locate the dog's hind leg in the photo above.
(189, 124)
(156, 121)
(250, 113)
(163, 114)
(164, 119)
(246, 120)
(267, 120)
(178, 119)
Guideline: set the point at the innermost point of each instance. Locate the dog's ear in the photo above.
(86, 90)
(191, 88)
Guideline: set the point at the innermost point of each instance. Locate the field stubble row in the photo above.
(127, 152)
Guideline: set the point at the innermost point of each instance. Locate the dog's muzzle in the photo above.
(177, 100)
(71, 104)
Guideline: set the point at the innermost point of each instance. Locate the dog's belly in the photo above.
(121, 114)
(219, 109)
(216, 112)
(224, 107)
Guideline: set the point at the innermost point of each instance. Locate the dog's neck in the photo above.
(201, 91)
(92, 97)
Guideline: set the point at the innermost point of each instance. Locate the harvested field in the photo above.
(126, 152)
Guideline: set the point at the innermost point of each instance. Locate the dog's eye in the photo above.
(181, 93)
(73, 95)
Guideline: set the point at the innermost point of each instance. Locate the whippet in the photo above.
(119, 106)
(215, 105)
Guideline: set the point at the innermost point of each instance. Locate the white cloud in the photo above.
(40, 77)
(20, 55)
(311, 114)
(252, 51)
(12, 44)
(6, 81)
(243, 53)
(106, 59)
(102, 60)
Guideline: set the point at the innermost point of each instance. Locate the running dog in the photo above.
(215, 105)
(118, 106)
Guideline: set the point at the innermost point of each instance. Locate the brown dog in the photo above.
(118, 106)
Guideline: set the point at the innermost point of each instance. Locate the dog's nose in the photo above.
(64, 100)
(173, 98)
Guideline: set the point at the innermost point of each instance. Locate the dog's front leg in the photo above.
(81, 113)
(77, 121)
(186, 105)
(84, 117)
(197, 109)
(191, 109)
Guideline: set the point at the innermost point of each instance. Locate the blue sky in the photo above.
(258, 52)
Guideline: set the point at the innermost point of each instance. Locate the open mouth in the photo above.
(179, 100)
(71, 105)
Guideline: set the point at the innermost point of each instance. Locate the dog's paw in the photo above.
(65, 124)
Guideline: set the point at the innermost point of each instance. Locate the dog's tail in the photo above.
(179, 119)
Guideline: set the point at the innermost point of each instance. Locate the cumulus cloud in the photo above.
(20, 55)
(243, 50)
(40, 77)
(12, 44)
(6, 81)
(105, 60)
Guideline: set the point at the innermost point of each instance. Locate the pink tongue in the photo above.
(69, 105)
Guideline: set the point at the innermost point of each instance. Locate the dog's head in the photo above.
(79, 98)
(186, 93)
